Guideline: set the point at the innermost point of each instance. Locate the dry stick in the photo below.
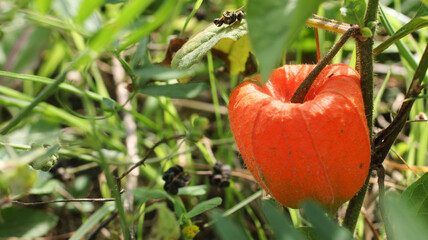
(300, 94)
(384, 139)
(176, 137)
(375, 234)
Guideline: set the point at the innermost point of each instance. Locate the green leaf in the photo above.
(161, 73)
(273, 26)
(43, 5)
(237, 52)
(125, 17)
(47, 160)
(204, 206)
(86, 9)
(197, 46)
(309, 233)
(108, 104)
(416, 195)
(144, 194)
(45, 184)
(353, 12)
(280, 224)
(165, 225)
(159, 17)
(402, 217)
(226, 229)
(412, 26)
(324, 227)
(185, 90)
(193, 190)
(93, 220)
(25, 222)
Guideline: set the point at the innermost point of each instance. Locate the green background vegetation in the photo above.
(83, 96)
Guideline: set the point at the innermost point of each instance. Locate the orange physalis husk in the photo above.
(316, 150)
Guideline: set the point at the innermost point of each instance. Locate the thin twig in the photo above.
(302, 90)
(372, 228)
(102, 225)
(141, 162)
(404, 162)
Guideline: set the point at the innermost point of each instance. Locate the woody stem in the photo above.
(300, 94)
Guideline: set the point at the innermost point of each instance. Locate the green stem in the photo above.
(365, 55)
(46, 92)
(381, 182)
(106, 169)
(214, 94)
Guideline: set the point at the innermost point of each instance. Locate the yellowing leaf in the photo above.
(238, 55)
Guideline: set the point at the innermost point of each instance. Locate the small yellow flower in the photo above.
(190, 231)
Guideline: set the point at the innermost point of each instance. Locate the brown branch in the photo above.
(302, 90)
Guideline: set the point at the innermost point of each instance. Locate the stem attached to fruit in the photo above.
(300, 94)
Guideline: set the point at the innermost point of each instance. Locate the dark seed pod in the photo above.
(221, 174)
(224, 183)
(215, 179)
(174, 179)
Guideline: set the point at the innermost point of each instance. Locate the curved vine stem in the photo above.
(302, 90)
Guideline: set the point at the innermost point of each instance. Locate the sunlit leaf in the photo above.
(159, 17)
(193, 190)
(43, 5)
(413, 25)
(197, 46)
(237, 52)
(86, 9)
(273, 26)
(127, 14)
